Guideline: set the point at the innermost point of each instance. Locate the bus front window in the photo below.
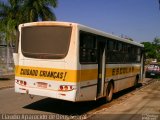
(46, 42)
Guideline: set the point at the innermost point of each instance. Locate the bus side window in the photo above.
(110, 45)
(138, 55)
(88, 48)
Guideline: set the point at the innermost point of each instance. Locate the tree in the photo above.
(35, 10)
(152, 49)
(14, 12)
(156, 43)
(159, 4)
(9, 19)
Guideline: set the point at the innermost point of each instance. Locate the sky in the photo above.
(137, 19)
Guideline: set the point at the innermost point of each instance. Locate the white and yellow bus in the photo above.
(73, 62)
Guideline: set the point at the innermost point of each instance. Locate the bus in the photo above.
(73, 62)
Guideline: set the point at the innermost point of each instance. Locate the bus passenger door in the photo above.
(101, 68)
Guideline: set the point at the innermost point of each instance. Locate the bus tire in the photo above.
(136, 81)
(109, 92)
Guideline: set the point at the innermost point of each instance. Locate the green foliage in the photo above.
(9, 19)
(15, 12)
(156, 43)
(34, 10)
(152, 49)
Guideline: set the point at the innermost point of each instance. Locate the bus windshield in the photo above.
(45, 42)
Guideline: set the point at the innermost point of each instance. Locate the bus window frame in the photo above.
(88, 50)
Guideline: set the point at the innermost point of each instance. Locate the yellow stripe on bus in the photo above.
(47, 73)
(91, 74)
(122, 70)
(70, 75)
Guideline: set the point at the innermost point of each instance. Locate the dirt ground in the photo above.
(7, 82)
(144, 104)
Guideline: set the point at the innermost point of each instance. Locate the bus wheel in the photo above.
(109, 92)
(136, 81)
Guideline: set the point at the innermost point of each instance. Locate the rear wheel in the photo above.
(136, 81)
(109, 92)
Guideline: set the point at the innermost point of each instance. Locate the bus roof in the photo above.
(108, 35)
(83, 27)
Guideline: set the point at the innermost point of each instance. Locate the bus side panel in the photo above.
(88, 82)
(87, 93)
(123, 75)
